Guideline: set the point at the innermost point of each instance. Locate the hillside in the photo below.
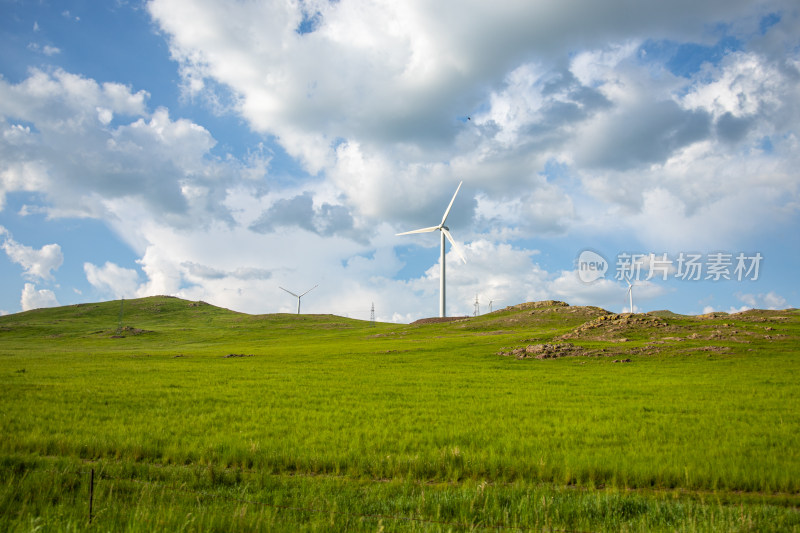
(198, 418)
(169, 322)
(160, 323)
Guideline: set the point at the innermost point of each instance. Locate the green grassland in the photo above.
(197, 418)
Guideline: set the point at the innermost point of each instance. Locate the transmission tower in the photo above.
(477, 307)
(372, 314)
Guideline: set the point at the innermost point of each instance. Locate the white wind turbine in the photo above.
(630, 292)
(300, 296)
(444, 232)
(492, 300)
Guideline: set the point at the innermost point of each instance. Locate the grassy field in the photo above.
(196, 418)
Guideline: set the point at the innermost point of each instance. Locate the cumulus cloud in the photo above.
(205, 272)
(37, 264)
(241, 269)
(83, 144)
(605, 293)
(379, 108)
(112, 280)
(496, 271)
(413, 53)
(46, 49)
(37, 299)
(299, 211)
(770, 300)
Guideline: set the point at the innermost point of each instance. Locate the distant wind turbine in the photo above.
(630, 292)
(491, 300)
(300, 296)
(444, 232)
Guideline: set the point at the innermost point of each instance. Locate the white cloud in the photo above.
(112, 280)
(47, 49)
(85, 144)
(391, 80)
(544, 210)
(605, 293)
(774, 301)
(744, 84)
(37, 299)
(104, 115)
(498, 271)
(371, 100)
(37, 264)
(770, 300)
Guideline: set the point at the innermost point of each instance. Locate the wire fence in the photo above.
(94, 480)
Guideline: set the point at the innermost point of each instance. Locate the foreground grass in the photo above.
(331, 424)
(139, 497)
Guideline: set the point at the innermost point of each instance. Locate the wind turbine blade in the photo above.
(447, 212)
(309, 290)
(453, 243)
(290, 292)
(423, 230)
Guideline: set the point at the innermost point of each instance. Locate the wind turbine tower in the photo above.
(444, 231)
(300, 296)
(492, 300)
(630, 293)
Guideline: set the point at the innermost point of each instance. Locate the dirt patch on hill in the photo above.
(580, 311)
(764, 315)
(712, 316)
(536, 305)
(128, 331)
(547, 351)
(611, 326)
(626, 334)
(549, 314)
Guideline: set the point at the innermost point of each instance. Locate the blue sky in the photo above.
(216, 151)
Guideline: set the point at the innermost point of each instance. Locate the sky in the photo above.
(218, 150)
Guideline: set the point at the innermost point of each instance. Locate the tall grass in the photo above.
(140, 498)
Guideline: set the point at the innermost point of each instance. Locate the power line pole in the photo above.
(119, 318)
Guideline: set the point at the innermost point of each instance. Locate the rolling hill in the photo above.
(199, 418)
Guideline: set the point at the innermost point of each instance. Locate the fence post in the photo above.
(91, 494)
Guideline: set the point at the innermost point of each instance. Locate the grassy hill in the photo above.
(536, 416)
